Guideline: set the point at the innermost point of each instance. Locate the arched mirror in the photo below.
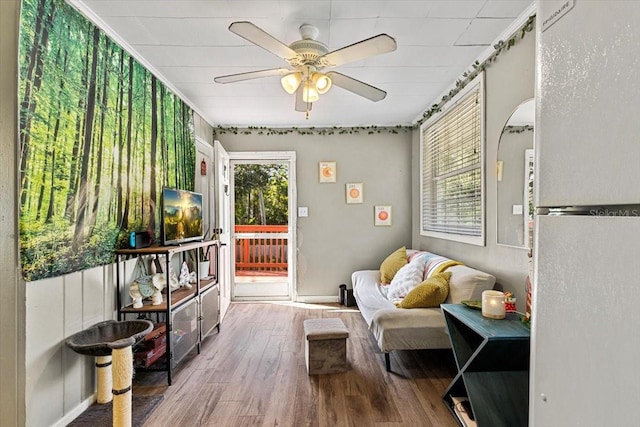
(515, 178)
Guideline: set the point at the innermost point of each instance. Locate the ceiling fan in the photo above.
(307, 58)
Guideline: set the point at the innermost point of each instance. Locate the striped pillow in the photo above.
(437, 265)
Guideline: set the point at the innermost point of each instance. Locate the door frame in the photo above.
(205, 183)
(277, 156)
(223, 225)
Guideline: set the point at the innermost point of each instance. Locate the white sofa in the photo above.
(416, 328)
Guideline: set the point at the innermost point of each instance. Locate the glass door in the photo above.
(262, 231)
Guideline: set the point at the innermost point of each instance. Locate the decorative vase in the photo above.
(204, 268)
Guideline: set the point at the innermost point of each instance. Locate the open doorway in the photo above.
(263, 237)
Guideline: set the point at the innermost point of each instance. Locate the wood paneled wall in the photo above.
(59, 382)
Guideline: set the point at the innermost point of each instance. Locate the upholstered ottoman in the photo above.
(325, 348)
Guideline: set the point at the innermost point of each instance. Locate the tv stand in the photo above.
(196, 311)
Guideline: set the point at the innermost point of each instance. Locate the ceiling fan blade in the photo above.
(261, 38)
(356, 86)
(251, 75)
(376, 45)
(300, 104)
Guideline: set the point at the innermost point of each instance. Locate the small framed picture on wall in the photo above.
(354, 193)
(382, 215)
(327, 172)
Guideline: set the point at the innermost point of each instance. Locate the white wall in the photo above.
(337, 239)
(60, 384)
(202, 129)
(59, 380)
(508, 81)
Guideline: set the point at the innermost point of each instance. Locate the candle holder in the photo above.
(493, 304)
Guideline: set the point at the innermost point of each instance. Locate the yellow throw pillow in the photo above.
(430, 293)
(392, 264)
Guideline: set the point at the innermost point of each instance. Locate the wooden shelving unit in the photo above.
(178, 297)
(492, 357)
(174, 302)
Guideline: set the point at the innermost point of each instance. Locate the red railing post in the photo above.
(261, 255)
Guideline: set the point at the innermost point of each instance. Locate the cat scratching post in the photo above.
(103, 367)
(122, 378)
(111, 342)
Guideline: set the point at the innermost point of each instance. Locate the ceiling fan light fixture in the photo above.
(305, 57)
(290, 82)
(309, 92)
(321, 82)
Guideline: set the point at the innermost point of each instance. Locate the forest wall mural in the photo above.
(99, 138)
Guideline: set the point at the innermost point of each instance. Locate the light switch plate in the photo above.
(517, 209)
(303, 211)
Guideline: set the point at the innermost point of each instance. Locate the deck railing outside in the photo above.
(261, 255)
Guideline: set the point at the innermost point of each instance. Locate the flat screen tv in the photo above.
(181, 216)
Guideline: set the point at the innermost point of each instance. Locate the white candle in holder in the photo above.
(493, 304)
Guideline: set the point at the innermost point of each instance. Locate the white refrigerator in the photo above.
(585, 340)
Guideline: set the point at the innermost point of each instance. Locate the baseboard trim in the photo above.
(317, 298)
(73, 414)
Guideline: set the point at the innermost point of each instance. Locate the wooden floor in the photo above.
(253, 374)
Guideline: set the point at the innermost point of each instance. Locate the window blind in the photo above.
(452, 169)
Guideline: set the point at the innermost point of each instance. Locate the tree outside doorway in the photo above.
(261, 194)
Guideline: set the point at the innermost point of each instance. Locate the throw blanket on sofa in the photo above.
(421, 266)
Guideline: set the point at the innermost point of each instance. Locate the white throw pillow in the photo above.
(407, 278)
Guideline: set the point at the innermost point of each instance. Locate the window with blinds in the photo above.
(452, 173)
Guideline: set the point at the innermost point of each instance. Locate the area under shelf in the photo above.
(499, 397)
(207, 283)
(178, 297)
(492, 357)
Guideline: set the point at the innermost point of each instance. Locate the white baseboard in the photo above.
(322, 299)
(75, 412)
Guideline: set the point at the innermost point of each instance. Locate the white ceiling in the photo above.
(186, 43)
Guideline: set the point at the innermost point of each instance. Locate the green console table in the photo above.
(492, 357)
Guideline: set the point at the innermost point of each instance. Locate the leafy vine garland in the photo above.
(336, 130)
(476, 68)
(518, 129)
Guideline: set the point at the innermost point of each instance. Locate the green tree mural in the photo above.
(99, 138)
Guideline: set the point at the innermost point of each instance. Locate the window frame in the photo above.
(476, 83)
